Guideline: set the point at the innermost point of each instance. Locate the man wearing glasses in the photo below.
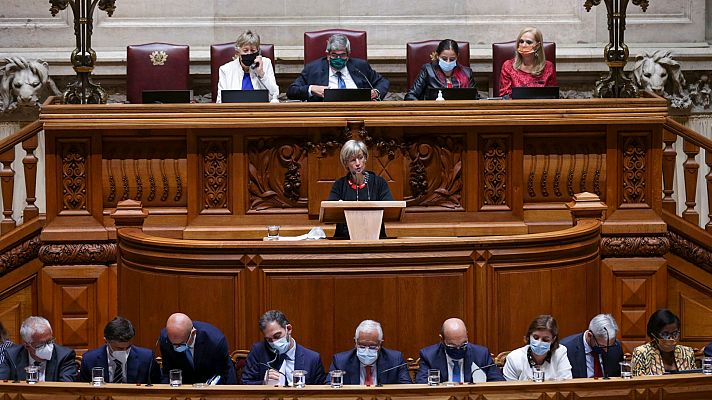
(337, 71)
(198, 349)
(458, 360)
(595, 353)
(56, 363)
(369, 363)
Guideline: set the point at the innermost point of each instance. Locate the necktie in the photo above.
(456, 371)
(118, 372)
(189, 356)
(340, 80)
(368, 380)
(597, 370)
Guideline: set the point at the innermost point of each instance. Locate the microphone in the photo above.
(603, 364)
(12, 364)
(355, 177)
(378, 98)
(150, 365)
(483, 367)
(365, 182)
(380, 383)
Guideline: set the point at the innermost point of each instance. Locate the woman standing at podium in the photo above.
(529, 67)
(358, 184)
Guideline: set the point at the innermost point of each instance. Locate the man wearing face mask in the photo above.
(273, 360)
(369, 363)
(337, 71)
(458, 360)
(122, 361)
(55, 362)
(197, 348)
(595, 353)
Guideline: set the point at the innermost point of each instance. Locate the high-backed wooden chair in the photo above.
(315, 43)
(223, 53)
(502, 52)
(239, 358)
(156, 66)
(413, 365)
(418, 53)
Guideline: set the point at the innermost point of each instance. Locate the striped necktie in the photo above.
(118, 372)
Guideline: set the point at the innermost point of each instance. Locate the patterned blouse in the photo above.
(648, 361)
(510, 77)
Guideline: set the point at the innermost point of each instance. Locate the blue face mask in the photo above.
(183, 346)
(281, 346)
(447, 66)
(367, 356)
(538, 347)
(456, 353)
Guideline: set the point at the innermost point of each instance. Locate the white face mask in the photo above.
(45, 352)
(121, 355)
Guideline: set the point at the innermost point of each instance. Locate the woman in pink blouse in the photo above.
(529, 67)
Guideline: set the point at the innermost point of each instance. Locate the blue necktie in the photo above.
(189, 355)
(456, 371)
(340, 80)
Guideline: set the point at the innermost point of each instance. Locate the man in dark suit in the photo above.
(369, 363)
(337, 71)
(708, 350)
(273, 360)
(122, 361)
(56, 363)
(197, 348)
(595, 352)
(456, 358)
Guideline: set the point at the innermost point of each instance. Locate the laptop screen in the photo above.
(166, 96)
(347, 94)
(535, 92)
(245, 96)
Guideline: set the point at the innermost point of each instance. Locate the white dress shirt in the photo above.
(345, 75)
(589, 358)
(231, 74)
(517, 367)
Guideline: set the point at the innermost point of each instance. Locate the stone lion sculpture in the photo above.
(24, 83)
(660, 74)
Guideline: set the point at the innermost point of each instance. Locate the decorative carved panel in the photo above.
(215, 153)
(277, 177)
(435, 171)
(634, 164)
(634, 246)
(74, 175)
(19, 255)
(554, 172)
(495, 169)
(690, 250)
(79, 253)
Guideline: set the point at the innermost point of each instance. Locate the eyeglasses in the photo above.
(669, 335)
(342, 56)
(362, 347)
(453, 347)
(41, 345)
(527, 41)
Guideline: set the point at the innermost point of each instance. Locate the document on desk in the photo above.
(314, 234)
(478, 376)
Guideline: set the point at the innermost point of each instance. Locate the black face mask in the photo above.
(248, 59)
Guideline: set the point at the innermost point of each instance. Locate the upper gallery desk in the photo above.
(693, 386)
(224, 171)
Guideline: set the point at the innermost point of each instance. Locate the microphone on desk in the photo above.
(380, 383)
(603, 358)
(150, 366)
(12, 365)
(378, 98)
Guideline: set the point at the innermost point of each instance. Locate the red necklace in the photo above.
(354, 186)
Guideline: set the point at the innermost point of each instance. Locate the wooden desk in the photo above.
(689, 387)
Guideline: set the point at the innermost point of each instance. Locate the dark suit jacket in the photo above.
(427, 79)
(708, 350)
(211, 357)
(137, 366)
(433, 357)
(348, 362)
(261, 354)
(577, 357)
(317, 73)
(61, 367)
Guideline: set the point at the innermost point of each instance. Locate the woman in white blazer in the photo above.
(249, 61)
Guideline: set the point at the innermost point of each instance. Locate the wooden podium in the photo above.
(362, 217)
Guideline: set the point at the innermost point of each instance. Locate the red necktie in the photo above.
(597, 370)
(369, 379)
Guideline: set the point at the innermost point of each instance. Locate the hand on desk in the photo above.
(272, 377)
(317, 90)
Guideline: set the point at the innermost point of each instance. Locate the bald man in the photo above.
(458, 360)
(197, 348)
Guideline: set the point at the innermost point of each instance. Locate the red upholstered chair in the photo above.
(146, 70)
(418, 53)
(315, 43)
(502, 52)
(223, 53)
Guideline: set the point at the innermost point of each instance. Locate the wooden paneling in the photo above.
(690, 297)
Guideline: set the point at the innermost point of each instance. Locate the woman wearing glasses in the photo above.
(529, 67)
(442, 72)
(662, 353)
(542, 352)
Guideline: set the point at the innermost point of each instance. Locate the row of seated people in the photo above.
(249, 64)
(200, 350)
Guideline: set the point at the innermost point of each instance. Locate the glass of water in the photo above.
(626, 370)
(433, 377)
(707, 365)
(273, 232)
(299, 378)
(537, 374)
(337, 378)
(97, 376)
(32, 374)
(175, 377)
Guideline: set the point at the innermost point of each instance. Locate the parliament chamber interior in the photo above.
(499, 209)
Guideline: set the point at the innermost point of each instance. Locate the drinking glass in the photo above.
(273, 232)
(626, 370)
(433, 377)
(337, 378)
(707, 365)
(97, 376)
(299, 378)
(537, 374)
(32, 374)
(175, 377)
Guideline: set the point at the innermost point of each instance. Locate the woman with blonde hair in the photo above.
(529, 67)
(249, 70)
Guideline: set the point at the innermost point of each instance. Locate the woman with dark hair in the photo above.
(442, 72)
(662, 353)
(529, 67)
(542, 349)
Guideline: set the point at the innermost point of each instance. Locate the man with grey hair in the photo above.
(337, 70)
(369, 363)
(56, 363)
(595, 353)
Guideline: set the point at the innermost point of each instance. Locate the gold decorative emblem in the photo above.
(158, 58)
